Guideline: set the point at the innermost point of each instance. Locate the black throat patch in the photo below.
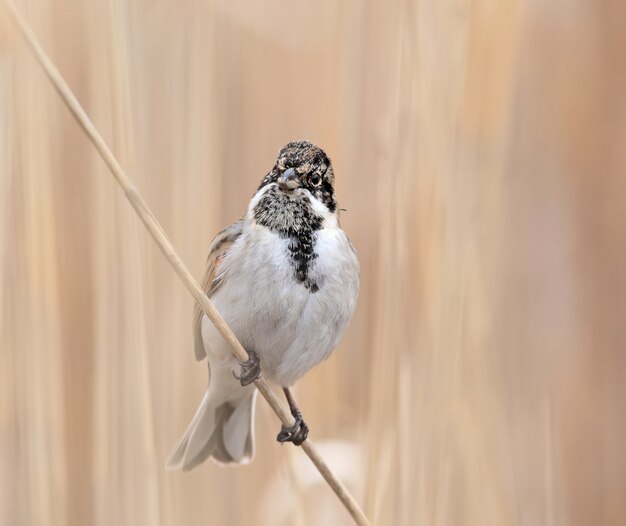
(291, 216)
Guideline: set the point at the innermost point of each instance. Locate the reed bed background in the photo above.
(479, 150)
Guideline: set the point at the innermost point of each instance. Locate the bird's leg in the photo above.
(298, 432)
(250, 369)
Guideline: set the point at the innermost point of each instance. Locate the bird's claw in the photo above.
(250, 369)
(296, 433)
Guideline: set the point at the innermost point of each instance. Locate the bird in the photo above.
(285, 277)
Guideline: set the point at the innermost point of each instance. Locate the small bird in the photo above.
(285, 278)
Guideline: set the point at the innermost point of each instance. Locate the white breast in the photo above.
(290, 328)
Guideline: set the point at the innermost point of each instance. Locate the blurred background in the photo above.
(479, 148)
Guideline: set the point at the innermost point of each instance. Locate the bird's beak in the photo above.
(288, 180)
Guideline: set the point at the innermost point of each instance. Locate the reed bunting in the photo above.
(285, 278)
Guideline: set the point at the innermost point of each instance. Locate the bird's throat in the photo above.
(291, 216)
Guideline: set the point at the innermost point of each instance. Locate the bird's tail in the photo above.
(222, 430)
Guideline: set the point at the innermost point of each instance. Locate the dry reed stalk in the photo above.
(158, 234)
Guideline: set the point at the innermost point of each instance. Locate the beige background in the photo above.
(480, 149)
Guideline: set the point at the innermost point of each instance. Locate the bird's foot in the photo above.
(297, 433)
(250, 369)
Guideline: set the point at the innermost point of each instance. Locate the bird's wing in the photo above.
(212, 278)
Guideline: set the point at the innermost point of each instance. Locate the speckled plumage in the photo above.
(285, 278)
(291, 216)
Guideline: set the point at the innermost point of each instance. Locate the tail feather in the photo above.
(238, 433)
(224, 432)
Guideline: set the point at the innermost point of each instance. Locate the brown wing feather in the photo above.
(211, 282)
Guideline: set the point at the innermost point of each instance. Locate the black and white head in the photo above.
(303, 172)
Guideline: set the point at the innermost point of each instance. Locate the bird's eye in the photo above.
(315, 180)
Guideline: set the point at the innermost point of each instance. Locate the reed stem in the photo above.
(158, 234)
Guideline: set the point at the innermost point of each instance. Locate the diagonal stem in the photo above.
(158, 234)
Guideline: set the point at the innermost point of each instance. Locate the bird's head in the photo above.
(302, 166)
